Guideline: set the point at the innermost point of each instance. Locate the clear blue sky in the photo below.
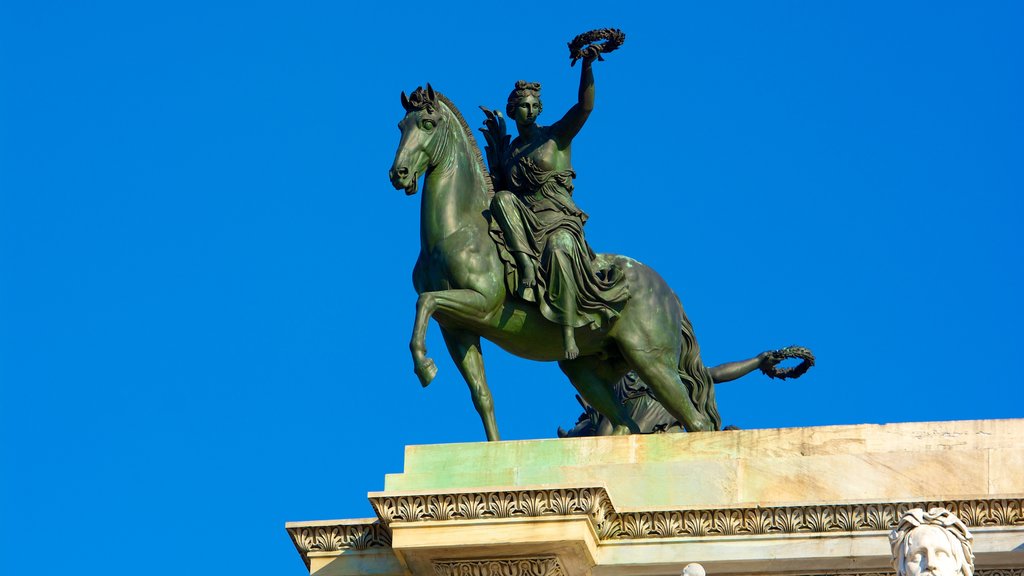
(204, 273)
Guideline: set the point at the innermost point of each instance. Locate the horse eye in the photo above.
(428, 124)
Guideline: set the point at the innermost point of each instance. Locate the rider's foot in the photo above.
(527, 277)
(526, 291)
(569, 338)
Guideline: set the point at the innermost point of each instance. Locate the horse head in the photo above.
(422, 129)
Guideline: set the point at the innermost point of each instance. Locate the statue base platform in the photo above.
(792, 501)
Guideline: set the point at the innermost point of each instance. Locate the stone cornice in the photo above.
(337, 537)
(595, 504)
(612, 525)
(836, 518)
(592, 502)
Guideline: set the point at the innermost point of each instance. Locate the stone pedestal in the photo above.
(798, 501)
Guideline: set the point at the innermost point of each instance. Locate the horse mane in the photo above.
(477, 154)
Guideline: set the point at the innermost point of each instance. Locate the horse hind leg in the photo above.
(595, 380)
(465, 350)
(660, 370)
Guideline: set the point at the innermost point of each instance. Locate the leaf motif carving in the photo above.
(470, 506)
(502, 505)
(324, 539)
(789, 520)
(385, 508)
(636, 525)
(534, 504)
(758, 521)
(610, 529)
(727, 522)
(562, 502)
(697, 523)
(844, 519)
(594, 503)
(360, 538)
(667, 524)
(877, 519)
(586, 501)
(818, 519)
(304, 539)
(442, 508)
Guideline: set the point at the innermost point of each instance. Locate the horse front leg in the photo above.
(464, 346)
(468, 305)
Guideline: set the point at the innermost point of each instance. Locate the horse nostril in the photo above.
(403, 172)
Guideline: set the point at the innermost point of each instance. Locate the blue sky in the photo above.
(205, 296)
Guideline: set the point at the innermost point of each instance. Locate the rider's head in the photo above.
(524, 104)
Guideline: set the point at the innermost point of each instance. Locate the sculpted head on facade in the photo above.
(932, 543)
(694, 569)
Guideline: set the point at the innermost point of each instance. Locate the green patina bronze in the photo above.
(503, 256)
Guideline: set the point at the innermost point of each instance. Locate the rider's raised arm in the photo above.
(566, 129)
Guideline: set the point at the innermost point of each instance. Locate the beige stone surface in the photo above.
(373, 562)
(1006, 470)
(786, 466)
(571, 540)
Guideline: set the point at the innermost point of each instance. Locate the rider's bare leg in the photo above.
(563, 288)
(527, 273)
(569, 343)
(505, 207)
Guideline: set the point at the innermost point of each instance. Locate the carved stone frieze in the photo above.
(592, 502)
(340, 537)
(799, 519)
(610, 525)
(539, 566)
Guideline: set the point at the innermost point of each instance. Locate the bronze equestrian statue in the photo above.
(514, 266)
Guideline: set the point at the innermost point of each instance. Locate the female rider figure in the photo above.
(537, 221)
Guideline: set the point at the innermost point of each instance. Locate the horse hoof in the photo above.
(426, 370)
(701, 424)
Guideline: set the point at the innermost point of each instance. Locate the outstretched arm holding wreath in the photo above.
(569, 126)
(586, 47)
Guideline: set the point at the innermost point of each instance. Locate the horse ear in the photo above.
(430, 93)
(405, 101)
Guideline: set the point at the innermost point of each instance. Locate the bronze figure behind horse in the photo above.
(461, 282)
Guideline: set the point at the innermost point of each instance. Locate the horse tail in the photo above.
(696, 376)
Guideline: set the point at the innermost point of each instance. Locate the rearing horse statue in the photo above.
(461, 284)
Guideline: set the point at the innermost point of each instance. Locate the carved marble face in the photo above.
(694, 569)
(527, 110)
(929, 553)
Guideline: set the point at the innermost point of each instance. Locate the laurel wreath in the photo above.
(770, 366)
(604, 41)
